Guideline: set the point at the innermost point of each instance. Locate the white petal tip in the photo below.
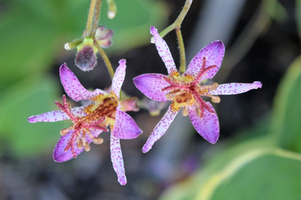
(146, 149)
(257, 84)
(153, 30)
(122, 61)
(31, 119)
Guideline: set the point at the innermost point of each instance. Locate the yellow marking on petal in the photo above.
(88, 110)
(174, 107)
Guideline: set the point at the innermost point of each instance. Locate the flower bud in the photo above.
(86, 55)
(103, 36)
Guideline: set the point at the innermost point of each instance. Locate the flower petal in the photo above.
(56, 115)
(208, 126)
(125, 126)
(151, 85)
(163, 51)
(235, 88)
(73, 87)
(119, 77)
(117, 159)
(214, 53)
(59, 153)
(160, 129)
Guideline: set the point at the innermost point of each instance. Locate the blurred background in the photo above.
(258, 153)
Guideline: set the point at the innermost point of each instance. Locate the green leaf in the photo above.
(275, 10)
(287, 110)
(216, 158)
(31, 96)
(258, 173)
(33, 32)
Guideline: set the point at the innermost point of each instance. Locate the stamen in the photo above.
(171, 95)
(97, 140)
(64, 131)
(185, 111)
(79, 143)
(87, 146)
(215, 99)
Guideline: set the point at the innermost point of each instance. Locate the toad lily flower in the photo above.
(89, 121)
(185, 90)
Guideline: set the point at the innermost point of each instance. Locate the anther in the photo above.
(97, 140)
(215, 99)
(185, 111)
(87, 146)
(79, 143)
(170, 95)
(64, 131)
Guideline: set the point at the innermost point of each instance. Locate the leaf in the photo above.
(217, 158)
(33, 32)
(31, 96)
(275, 10)
(287, 110)
(259, 173)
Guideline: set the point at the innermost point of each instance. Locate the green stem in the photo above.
(182, 68)
(90, 18)
(179, 20)
(105, 59)
(96, 16)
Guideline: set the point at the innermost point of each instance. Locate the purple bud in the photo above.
(86, 55)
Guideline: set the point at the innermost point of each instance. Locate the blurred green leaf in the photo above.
(287, 110)
(217, 158)
(33, 32)
(258, 173)
(275, 10)
(28, 97)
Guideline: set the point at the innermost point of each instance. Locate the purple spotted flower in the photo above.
(89, 121)
(185, 90)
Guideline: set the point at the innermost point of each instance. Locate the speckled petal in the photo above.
(160, 129)
(235, 88)
(117, 160)
(59, 155)
(151, 85)
(163, 51)
(208, 126)
(73, 87)
(125, 126)
(119, 77)
(214, 53)
(56, 115)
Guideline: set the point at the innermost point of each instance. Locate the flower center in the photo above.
(99, 116)
(185, 91)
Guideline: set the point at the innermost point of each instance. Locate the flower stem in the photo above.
(179, 20)
(182, 68)
(93, 13)
(105, 59)
(177, 26)
(96, 16)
